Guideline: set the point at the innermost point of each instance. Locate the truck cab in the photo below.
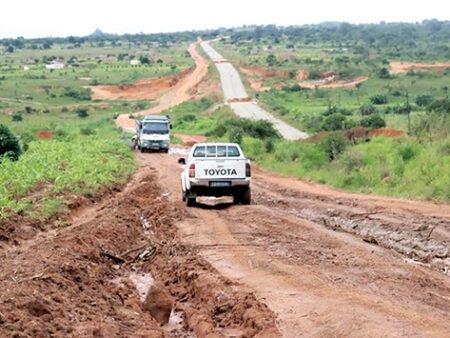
(153, 133)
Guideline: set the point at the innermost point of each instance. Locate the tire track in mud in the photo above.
(410, 236)
(318, 281)
(77, 281)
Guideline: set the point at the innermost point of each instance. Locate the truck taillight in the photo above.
(248, 170)
(192, 170)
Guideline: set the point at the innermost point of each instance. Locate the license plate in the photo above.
(220, 184)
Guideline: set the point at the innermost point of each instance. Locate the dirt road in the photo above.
(176, 94)
(327, 263)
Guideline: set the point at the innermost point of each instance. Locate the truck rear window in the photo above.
(216, 151)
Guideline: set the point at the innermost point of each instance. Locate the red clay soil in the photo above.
(45, 134)
(398, 67)
(263, 72)
(144, 89)
(246, 99)
(386, 132)
(302, 75)
(77, 281)
(190, 140)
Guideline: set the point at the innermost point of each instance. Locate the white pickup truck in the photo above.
(216, 169)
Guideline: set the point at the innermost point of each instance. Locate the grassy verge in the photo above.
(401, 166)
(80, 159)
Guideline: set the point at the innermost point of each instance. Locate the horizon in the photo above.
(100, 30)
(49, 19)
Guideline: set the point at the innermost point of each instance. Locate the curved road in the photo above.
(233, 89)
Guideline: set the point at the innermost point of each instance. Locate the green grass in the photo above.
(70, 163)
(394, 167)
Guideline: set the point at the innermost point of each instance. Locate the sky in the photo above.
(45, 18)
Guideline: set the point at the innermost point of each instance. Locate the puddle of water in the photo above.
(142, 283)
(175, 326)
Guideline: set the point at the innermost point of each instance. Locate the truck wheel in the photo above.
(246, 197)
(142, 150)
(190, 201)
(183, 196)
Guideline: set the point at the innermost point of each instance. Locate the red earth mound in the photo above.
(45, 134)
(144, 89)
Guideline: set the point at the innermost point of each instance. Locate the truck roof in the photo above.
(216, 144)
(155, 118)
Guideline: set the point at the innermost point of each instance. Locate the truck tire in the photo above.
(190, 201)
(183, 196)
(246, 197)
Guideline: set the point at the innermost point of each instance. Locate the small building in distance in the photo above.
(135, 62)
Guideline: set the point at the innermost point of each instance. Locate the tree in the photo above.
(334, 122)
(333, 145)
(144, 60)
(9, 144)
(383, 73)
(10, 49)
(271, 60)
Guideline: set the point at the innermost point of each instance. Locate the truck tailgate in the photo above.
(217, 169)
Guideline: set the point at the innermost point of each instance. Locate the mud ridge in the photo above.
(415, 238)
(75, 282)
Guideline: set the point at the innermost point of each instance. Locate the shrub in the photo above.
(373, 121)
(368, 109)
(383, 73)
(424, 100)
(408, 151)
(236, 135)
(334, 122)
(379, 99)
(333, 145)
(80, 94)
(82, 112)
(9, 144)
(188, 118)
(17, 117)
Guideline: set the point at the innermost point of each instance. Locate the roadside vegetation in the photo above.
(387, 134)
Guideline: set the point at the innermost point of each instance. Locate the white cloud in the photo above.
(62, 18)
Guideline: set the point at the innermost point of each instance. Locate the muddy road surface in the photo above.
(119, 269)
(327, 263)
(303, 260)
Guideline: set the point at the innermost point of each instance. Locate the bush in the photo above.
(82, 112)
(383, 73)
(333, 145)
(408, 151)
(334, 122)
(379, 99)
(258, 129)
(80, 94)
(368, 109)
(9, 144)
(373, 121)
(236, 135)
(17, 117)
(424, 100)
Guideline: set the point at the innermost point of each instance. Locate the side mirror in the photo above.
(171, 126)
(182, 161)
